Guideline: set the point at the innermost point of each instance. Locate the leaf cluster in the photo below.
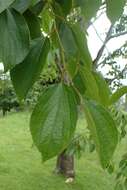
(30, 31)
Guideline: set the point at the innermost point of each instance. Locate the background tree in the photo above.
(8, 99)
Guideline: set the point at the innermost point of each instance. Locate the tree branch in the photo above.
(117, 35)
(100, 52)
(108, 37)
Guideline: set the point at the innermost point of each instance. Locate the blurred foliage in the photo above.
(120, 117)
(80, 144)
(121, 177)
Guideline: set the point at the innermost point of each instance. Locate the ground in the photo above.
(21, 167)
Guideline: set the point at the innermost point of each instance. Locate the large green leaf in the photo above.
(118, 94)
(57, 9)
(103, 88)
(33, 24)
(4, 4)
(14, 38)
(34, 2)
(81, 42)
(72, 66)
(26, 73)
(89, 7)
(21, 5)
(103, 130)
(89, 81)
(92, 85)
(37, 6)
(79, 83)
(70, 49)
(65, 6)
(115, 9)
(53, 120)
(68, 40)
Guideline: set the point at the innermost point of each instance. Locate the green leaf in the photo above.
(4, 4)
(57, 9)
(21, 5)
(119, 186)
(53, 120)
(68, 41)
(33, 24)
(125, 183)
(89, 8)
(103, 130)
(72, 66)
(34, 2)
(65, 6)
(110, 168)
(26, 73)
(89, 81)
(70, 49)
(115, 9)
(47, 19)
(14, 38)
(37, 6)
(124, 171)
(104, 91)
(118, 94)
(79, 83)
(81, 42)
(92, 85)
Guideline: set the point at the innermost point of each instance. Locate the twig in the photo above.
(100, 52)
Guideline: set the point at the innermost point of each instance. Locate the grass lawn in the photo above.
(21, 167)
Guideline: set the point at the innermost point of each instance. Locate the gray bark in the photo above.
(65, 165)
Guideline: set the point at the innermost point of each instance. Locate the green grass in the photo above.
(21, 167)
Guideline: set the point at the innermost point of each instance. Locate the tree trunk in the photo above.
(65, 165)
(4, 112)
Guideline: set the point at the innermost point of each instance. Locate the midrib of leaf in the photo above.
(51, 110)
